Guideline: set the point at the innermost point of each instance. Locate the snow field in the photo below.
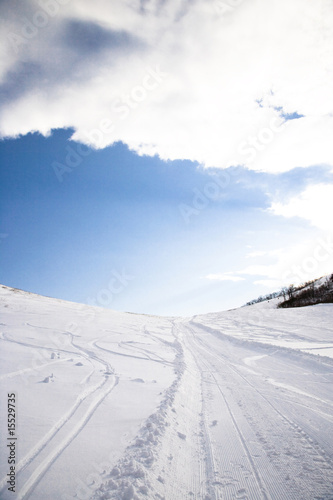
(231, 405)
(282, 456)
(60, 360)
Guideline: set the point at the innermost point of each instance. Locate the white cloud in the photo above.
(295, 264)
(310, 258)
(315, 204)
(274, 51)
(224, 277)
(256, 253)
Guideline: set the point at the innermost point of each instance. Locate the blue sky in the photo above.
(135, 175)
(118, 212)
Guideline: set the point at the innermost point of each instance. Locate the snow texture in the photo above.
(229, 405)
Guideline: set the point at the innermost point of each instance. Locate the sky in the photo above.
(165, 157)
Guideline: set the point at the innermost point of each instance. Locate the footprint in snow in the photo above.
(47, 380)
(241, 494)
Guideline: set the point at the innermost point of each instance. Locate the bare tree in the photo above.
(290, 291)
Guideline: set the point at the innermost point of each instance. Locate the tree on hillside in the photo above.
(290, 291)
(284, 292)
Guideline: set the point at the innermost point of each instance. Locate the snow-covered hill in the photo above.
(232, 405)
(318, 291)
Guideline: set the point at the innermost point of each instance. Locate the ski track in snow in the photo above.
(242, 417)
(319, 458)
(260, 489)
(46, 441)
(56, 451)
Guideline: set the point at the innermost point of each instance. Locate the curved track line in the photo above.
(52, 432)
(45, 465)
(25, 462)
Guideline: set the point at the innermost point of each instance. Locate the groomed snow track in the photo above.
(228, 406)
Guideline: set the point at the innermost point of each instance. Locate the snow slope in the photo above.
(231, 405)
